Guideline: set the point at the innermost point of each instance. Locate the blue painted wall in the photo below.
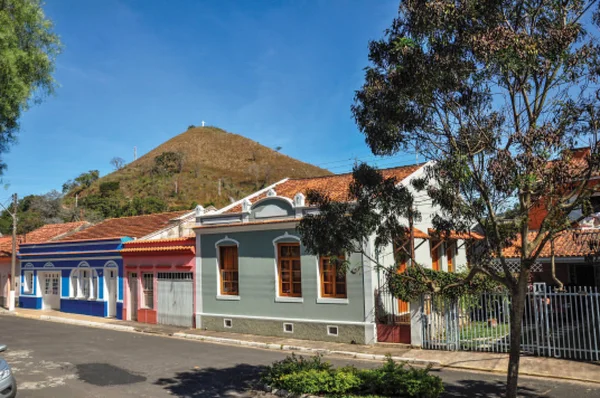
(87, 307)
(30, 302)
(63, 257)
(119, 310)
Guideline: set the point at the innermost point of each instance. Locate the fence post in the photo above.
(416, 322)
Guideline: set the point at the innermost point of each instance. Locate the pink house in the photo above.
(159, 283)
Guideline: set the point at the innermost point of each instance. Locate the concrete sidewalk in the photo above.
(478, 361)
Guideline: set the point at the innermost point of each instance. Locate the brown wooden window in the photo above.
(435, 256)
(450, 250)
(333, 283)
(229, 270)
(290, 274)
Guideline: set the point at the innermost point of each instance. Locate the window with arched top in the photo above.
(84, 282)
(228, 267)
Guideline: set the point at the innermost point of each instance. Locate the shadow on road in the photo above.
(211, 382)
(104, 374)
(483, 389)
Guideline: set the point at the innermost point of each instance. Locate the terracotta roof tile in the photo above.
(48, 232)
(139, 242)
(53, 231)
(337, 187)
(158, 249)
(134, 227)
(456, 235)
(570, 243)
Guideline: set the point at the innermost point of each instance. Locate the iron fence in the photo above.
(561, 324)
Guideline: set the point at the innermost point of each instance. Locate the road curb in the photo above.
(284, 347)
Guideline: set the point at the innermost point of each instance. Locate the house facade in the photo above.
(83, 272)
(45, 233)
(159, 281)
(78, 276)
(255, 276)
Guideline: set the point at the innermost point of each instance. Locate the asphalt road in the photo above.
(58, 360)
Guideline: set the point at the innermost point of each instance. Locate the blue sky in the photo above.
(138, 72)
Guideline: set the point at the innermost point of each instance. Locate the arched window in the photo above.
(228, 267)
(84, 282)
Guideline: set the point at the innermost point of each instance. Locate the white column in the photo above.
(416, 323)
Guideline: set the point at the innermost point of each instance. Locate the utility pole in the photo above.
(13, 263)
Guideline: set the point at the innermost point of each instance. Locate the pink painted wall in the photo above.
(155, 263)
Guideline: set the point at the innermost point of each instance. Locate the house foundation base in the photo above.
(299, 330)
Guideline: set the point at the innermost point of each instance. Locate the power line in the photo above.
(364, 159)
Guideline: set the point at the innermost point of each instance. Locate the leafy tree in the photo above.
(28, 48)
(496, 93)
(107, 206)
(117, 162)
(108, 188)
(84, 180)
(34, 211)
(168, 163)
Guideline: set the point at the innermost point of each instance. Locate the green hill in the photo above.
(204, 165)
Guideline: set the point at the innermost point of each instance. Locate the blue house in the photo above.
(83, 274)
(81, 277)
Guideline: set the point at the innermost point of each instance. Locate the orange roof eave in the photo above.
(471, 235)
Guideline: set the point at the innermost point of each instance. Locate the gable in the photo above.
(271, 208)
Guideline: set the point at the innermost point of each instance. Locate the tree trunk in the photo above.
(516, 316)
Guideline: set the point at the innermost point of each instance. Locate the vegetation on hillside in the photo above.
(204, 165)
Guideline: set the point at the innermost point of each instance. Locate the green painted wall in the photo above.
(257, 282)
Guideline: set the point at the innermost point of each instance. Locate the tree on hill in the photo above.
(117, 162)
(496, 93)
(84, 180)
(28, 49)
(168, 163)
(33, 211)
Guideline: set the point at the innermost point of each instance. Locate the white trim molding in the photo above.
(227, 297)
(111, 264)
(331, 300)
(285, 299)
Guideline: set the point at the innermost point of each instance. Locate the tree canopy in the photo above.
(498, 95)
(28, 49)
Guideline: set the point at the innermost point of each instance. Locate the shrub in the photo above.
(332, 383)
(398, 380)
(293, 364)
(314, 376)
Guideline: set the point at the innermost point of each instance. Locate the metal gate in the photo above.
(176, 298)
(561, 324)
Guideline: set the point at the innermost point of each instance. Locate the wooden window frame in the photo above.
(280, 260)
(333, 282)
(435, 254)
(451, 255)
(235, 269)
